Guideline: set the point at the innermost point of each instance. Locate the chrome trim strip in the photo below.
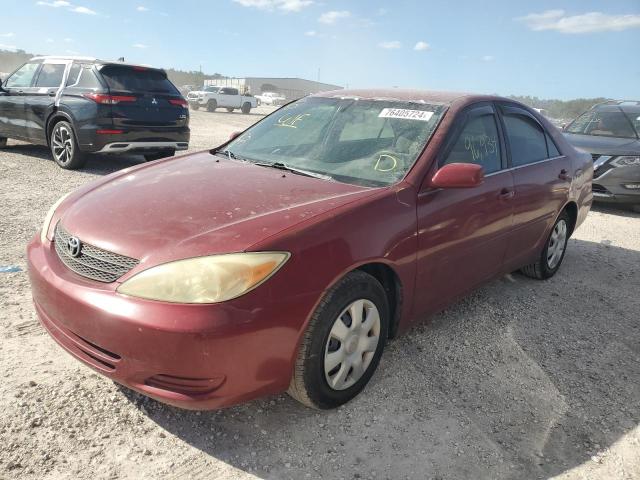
(109, 148)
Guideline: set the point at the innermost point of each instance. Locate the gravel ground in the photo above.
(522, 379)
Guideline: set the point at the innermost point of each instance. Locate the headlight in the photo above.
(47, 219)
(205, 279)
(626, 161)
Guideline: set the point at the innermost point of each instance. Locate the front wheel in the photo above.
(246, 108)
(64, 147)
(553, 251)
(212, 105)
(343, 343)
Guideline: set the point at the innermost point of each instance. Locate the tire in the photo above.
(3, 142)
(212, 105)
(246, 108)
(64, 147)
(230, 110)
(635, 208)
(553, 251)
(317, 387)
(149, 157)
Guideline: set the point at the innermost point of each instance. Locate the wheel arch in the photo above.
(392, 285)
(54, 118)
(572, 210)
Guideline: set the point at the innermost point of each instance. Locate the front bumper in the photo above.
(609, 186)
(190, 356)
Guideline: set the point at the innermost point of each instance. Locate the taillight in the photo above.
(105, 99)
(178, 101)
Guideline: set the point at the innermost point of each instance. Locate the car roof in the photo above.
(629, 106)
(409, 95)
(91, 60)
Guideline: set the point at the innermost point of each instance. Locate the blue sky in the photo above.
(569, 49)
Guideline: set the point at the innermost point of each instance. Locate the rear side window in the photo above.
(23, 76)
(229, 91)
(551, 146)
(137, 79)
(526, 140)
(51, 75)
(88, 78)
(478, 143)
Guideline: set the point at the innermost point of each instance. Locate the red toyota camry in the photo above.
(284, 259)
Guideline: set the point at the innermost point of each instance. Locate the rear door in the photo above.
(143, 98)
(40, 98)
(12, 113)
(229, 98)
(542, 177)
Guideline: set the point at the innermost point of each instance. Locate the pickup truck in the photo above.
(271, 98)
(212, 97)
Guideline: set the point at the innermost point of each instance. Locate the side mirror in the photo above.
(458, 175)
(234, 135)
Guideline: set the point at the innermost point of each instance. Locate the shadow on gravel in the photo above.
(522, 379)
(96, 164)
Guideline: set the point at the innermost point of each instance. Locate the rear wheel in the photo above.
(64, 147)
(212, 105)
(553, 251)
(246, 107)
(343, 343)
(3, 142)
(149, 157)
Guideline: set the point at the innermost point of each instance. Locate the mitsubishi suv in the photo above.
(80, 105)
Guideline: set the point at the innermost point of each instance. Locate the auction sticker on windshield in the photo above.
(406, 114)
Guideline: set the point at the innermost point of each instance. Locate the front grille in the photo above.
(92, 262)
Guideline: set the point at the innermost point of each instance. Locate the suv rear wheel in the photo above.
(64, 147)
(246, 107)
(212, 105)
(149, 157)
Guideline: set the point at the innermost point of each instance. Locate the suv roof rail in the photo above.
(64, 57)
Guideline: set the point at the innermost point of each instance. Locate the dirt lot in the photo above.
(523, 379)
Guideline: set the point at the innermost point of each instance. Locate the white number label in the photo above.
(421, 115)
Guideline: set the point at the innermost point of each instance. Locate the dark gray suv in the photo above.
(610, 132)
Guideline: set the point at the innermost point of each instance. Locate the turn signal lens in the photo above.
(205, 279)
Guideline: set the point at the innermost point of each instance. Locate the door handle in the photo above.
(506, 194)
(564, 175)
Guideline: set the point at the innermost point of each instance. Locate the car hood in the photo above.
(198, 205)
(604, 145)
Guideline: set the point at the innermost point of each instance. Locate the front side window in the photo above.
(478, 143)
(51, 75)
(526, 140)
(363, 142)
(600, 123)
(22, 77)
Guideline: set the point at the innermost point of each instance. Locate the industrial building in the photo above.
(291, 88)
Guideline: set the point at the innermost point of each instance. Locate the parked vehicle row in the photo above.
(271, 98)
(81, 105)
(212, 98)
(285, 258)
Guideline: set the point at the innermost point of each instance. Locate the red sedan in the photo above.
(284, 259)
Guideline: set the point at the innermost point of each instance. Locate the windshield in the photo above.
(604, 124)
(211, 89)
(364, 142)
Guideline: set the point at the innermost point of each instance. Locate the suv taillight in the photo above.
(105, 99)
(178, 101)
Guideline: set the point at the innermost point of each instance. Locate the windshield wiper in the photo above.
(299, 171)
(228, 154)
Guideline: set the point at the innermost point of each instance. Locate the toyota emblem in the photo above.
(74, 246)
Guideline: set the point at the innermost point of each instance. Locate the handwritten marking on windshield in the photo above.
(380, 160)
(291, 120)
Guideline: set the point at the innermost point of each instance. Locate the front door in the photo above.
(463, 232)
(40, 99)
(12, 116)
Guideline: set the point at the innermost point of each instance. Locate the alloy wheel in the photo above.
(62, 144)
(557, 244)
(352, 344)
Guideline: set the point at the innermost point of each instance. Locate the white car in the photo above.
(271, 98)
(212, 97)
